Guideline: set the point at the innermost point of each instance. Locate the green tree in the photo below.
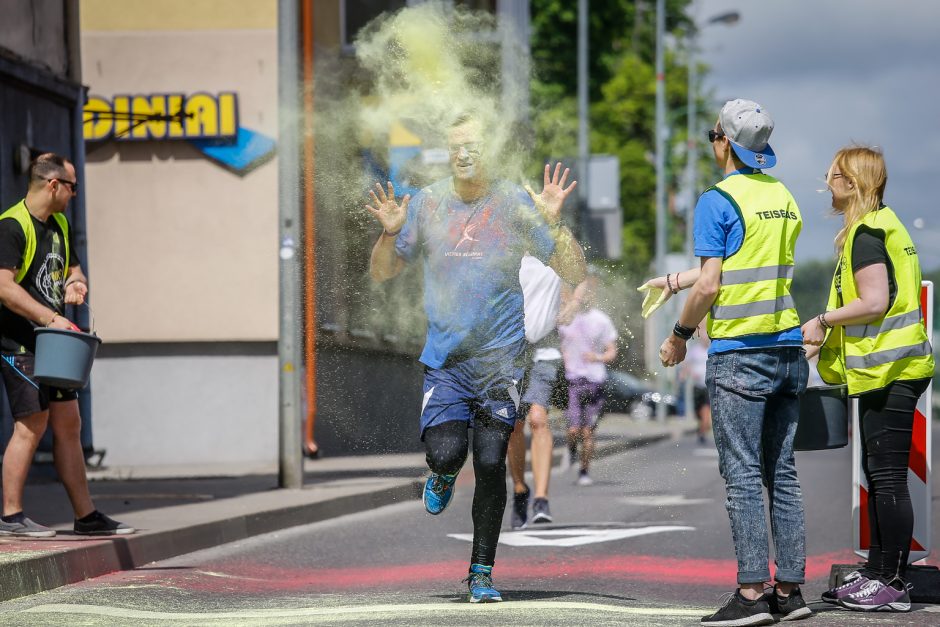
(622, 87)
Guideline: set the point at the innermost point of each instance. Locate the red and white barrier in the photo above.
(918, 473)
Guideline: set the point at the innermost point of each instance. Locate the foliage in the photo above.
(622, 87)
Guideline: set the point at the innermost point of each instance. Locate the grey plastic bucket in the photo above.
(824, 419)
(64, 358)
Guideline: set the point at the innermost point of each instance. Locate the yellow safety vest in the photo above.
(754, 297)
(895, 347)
(20, 213)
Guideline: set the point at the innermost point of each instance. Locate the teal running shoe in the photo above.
(438, 491)
(480, 582)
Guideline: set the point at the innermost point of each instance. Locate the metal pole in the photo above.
(691, 170)
(660, 179)
(583, 147)
(290, 459)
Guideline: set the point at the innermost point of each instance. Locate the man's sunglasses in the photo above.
(73, 185)
(713, 135)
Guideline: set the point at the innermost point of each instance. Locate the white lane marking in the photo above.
(572, 537)
(659, 500)
(362, 610)
(705, 452)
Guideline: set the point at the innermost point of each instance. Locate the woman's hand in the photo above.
(814, 333)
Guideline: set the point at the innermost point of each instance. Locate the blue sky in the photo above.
(832, 73)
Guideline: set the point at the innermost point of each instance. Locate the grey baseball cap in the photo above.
(748, 126)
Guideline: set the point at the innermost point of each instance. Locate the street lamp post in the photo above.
(691, 166)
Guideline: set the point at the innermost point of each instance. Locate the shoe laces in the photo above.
(850, 582)
(869, 588)
(439, 485)
(479, 580)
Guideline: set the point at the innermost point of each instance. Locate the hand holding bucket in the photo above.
(64, 354)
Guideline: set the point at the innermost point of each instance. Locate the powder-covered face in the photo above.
(465, 147)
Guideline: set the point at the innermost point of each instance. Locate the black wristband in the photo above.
(682, 332)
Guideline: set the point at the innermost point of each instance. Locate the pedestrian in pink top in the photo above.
(588, 344)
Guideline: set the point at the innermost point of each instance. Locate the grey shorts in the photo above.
(539, 381)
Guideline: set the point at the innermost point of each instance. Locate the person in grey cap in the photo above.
(746, 227)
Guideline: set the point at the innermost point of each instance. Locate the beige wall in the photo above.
(180, 249)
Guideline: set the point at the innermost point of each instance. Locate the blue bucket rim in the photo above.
(94, 336)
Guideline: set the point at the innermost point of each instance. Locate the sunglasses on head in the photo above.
(713, 135)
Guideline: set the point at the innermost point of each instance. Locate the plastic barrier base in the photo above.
(924, 580)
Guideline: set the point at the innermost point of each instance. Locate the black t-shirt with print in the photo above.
(44, 281)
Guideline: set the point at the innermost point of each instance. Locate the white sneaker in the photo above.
(584, 479)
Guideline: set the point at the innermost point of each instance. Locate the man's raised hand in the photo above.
(386, 210)
(554, 192)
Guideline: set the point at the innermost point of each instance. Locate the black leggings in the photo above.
(887, 422)
(447, 451)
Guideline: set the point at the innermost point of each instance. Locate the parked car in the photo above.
(625, 394)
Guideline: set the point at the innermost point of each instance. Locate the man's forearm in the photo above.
(568, 259)
(384, 262)
(697, 305)
(18, 300)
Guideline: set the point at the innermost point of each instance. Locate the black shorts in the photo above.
(26, 395)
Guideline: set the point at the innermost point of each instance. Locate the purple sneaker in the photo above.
(850, 585)
(875, 596)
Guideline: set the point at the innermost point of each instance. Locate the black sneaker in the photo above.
(97, 524)
(790, 607)
(540, 511)
(520, 509)
(738, 611)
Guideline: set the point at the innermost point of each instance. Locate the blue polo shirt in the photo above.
(719, 232)
(472, 253)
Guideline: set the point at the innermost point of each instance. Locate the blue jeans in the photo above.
(755, 398)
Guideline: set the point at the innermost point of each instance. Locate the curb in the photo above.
(93, 559)
(45, 572)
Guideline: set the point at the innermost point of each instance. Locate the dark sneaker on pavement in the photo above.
(850, 585)
(520, 509)
(23, 527)
(540, 511)
(738, 611)
(480, 582)
(438, 491)
(584, 479)
(97, 524)
(875, 596)
(790, 607)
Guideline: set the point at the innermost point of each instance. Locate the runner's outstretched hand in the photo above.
(554, 192)
(386, 210)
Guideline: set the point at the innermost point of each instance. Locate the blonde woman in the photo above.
(872, 338)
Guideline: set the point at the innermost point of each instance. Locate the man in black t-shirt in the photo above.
(39, 275)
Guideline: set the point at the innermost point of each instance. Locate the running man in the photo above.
(471, 231)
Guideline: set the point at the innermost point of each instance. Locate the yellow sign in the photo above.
(161, 116)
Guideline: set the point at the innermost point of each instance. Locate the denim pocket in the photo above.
(754, 372)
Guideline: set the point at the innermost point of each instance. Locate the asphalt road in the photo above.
(647, 544)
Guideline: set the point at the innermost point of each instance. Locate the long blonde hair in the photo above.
(863, 167)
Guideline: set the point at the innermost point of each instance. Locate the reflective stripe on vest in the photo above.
(895, 347)
(20, 213)
(750, 275)
(754, 296)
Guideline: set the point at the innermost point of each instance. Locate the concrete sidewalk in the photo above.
(175, 516)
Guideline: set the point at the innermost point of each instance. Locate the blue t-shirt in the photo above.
(719, 232)
(472, 253)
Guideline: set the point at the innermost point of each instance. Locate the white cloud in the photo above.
(832, 73)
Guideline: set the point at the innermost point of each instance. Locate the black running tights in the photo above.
(447, 445)
(887, 421)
